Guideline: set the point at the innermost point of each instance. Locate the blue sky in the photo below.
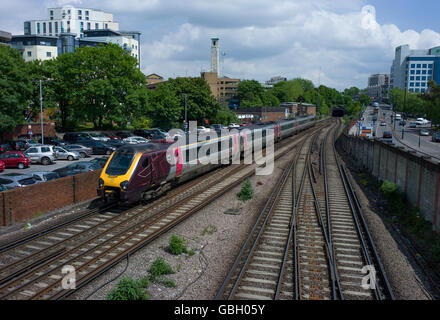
(408, 14)
(331, 42)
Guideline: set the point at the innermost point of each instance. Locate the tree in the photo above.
(107, 85)
(15, 88)
(251, 94)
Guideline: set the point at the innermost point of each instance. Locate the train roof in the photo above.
(145, 147)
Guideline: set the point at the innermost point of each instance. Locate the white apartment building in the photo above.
(70, 19)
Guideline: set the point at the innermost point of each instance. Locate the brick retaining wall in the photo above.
(21, 204)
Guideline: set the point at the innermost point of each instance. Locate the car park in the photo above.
(112, 136)
(99, 147)
(63, 154)
(77, 167)
(98, 136)
(15, 159)
(43, 176)
(16, 180)
(44, 154)
(435, 137)
(82, 150)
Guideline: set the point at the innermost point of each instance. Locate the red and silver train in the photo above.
(145, 171)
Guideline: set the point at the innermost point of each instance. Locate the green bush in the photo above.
(159, 268)
(177, 245)
(395, 198)
(130, 289)
(246, 192)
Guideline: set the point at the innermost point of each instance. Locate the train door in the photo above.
(179, 161)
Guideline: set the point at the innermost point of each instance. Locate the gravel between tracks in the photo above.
(197, 277)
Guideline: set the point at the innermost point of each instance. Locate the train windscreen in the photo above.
(120, 163)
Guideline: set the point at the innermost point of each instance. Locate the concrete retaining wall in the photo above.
(418, 177)
(21, 204)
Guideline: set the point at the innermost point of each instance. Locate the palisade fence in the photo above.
(415, 175)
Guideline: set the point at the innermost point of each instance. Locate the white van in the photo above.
(398, 117)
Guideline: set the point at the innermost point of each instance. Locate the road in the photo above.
(411, 136)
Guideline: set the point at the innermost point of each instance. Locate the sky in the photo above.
(337, 43)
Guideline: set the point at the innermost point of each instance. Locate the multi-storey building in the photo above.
(68, 28)
(378, 86)
(70, 19)
(412, 69)
(5, 37)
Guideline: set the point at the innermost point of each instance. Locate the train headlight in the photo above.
(124, 185)
(101, 182)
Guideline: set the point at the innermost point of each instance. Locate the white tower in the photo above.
(214, 55)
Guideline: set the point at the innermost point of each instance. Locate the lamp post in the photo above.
(41, 112)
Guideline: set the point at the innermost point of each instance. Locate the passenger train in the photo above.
(145, 171)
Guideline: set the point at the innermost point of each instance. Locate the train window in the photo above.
(146, 162)
(120, 163)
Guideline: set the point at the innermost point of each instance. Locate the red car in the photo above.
(2, 166)
(15, 159)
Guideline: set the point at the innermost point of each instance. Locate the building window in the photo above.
(411, 84)
(417, 84)
(413, 66)
(411, 78)
(29, 54)
(419, 65)
(413, 72)
(424, 65)
(96, 26)
(56, 27)
(48, 54)
(417, 90)
(44, 27)
(87, 13)
(430, 66)
(424, 78)
(106, 26)
(411, 90)
(62, 27)
(418, 78)
(423, 71)
(429, 71)
(51, 12)
(418, 72)
(79, 12)
(81, 26)
(50, 27)
(88, 25)
(38, 28)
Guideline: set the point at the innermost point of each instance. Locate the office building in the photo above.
(5, 38)
(412, 69)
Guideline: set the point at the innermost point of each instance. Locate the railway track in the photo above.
(310, 240)
(35, 268)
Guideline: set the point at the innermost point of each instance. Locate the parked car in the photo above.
(43, 176)
(135, 140)
(383, 123)
(18, 145)
(98, 136)
(82, 150)
(142, 133)
(5, 147)
(124, 134)
(15, 159)
(402, 123)
(54, 141)
(63, 154)
(99, 147)
(158, 131)
(424, 132)
(112, 136)
(2, 166)
(16, 180)
(158, 138)
(100, 161)
(76, 137)
(435, 137)
(115, 143)
(413, 125)
(77, 167)
(233, 125)
(29, 142)
(42, 154)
